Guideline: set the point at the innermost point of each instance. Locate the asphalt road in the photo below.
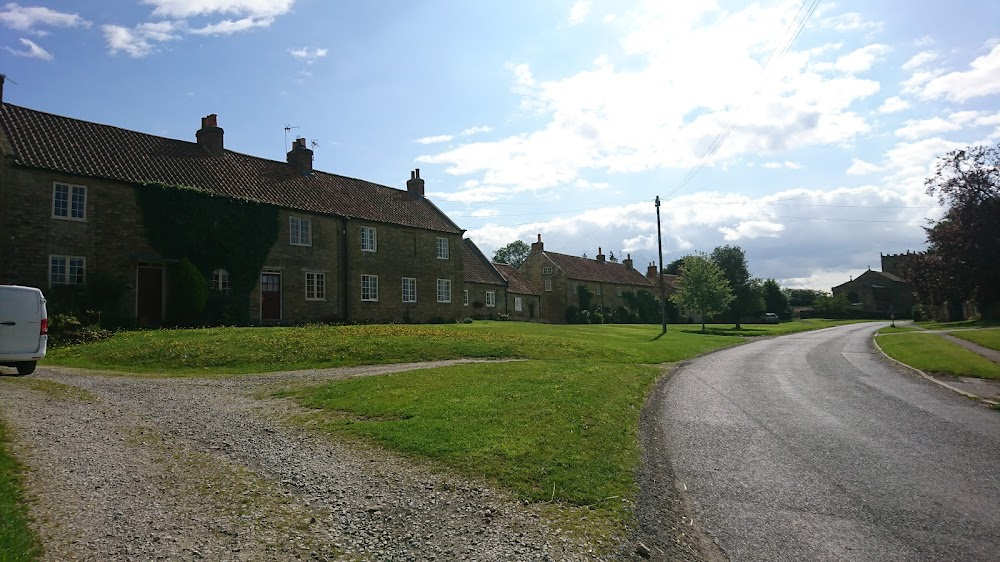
(815, 447)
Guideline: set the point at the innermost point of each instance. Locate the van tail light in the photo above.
(45, 327)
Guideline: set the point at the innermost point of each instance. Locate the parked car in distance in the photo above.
(770, 318)
(24, 327)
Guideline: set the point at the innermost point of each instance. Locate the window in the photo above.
(598, 291)
(491, 299)
(67, 270)
(409, 289)
(618, 291)
(444, 289)
(548, 285)
(369, 239)
(299, 231)
(547, 270)
(442, 248)
(315, 286)
(369, 288)
(465, 297)
(220, 281)
(69, 202)
(517, 304)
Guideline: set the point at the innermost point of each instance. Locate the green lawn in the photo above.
(560, 425)
(955, 325)
(985, 338)
(931, 353)
(17, 542)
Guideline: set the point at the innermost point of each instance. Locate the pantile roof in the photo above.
(478, 269)
(517, 282)
(584, 269)
(62, 144)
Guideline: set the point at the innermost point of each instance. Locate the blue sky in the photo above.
(799, 131)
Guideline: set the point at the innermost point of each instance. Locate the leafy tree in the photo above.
(733, 263)
(612, 257)
(832, 306)
(674, 267)
(514, 253)
(774, 298)
(963, 255)
(702, 286)
(803, 297)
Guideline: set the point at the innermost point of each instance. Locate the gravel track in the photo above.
(134, 468)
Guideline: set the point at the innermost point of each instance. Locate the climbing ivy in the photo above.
(214, 232)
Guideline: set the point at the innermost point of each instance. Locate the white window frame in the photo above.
(315, 286)
(465, 297)
(598, 291)
(547, 270)
(411, 284)
(74, 202)
(548, 285)
(66, 266)
(517, 304)
(299, 231)
(369, 239)
(220, 281)
(444, 290)
(443, 251)
(491, 299)
(369, 285)
(618, 291)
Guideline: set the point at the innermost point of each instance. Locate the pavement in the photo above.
(986, 390)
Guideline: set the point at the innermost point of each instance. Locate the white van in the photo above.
(24, 327)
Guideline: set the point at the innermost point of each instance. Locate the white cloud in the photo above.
(228, 27)
(579, 12)
(982, 79)
(851, 21)
(857, 61)
(138, 42)
(435, 139)
(250, 8)
(752, 229)
(913, 129)
(920, 59)
(308, 56)
(786, 164)
(861, 168)
(33, 50)
(29, 18)
(476, 130)
(485, 213)
(893, 104)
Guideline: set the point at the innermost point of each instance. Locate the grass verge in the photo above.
(985, 338)
(17, 542)
(934, 354)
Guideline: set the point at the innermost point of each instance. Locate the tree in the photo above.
(674, 267)
(803, 297)
(963, 255)
(703, 287)
(612, 257)
(733, 263)
(514, 253)
(774, 298)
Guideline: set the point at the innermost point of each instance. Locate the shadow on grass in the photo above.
(742, 332)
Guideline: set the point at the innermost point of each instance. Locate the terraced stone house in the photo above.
(73, 217)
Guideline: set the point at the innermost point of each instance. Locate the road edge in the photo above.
(930, 378)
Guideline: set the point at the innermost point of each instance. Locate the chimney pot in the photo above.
(210, 135)
(300, 157)
(415, 185)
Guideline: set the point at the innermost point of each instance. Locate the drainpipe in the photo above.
(344, 274)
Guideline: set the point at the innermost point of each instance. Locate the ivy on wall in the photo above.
(213, 232)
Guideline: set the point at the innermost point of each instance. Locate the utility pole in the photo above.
(663, 290)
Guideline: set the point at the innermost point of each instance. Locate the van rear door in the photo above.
(20, 320)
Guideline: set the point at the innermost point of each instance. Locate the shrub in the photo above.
(467, 320)
(502, 317)
(572, 312)
(67, 329)
(188, 293)
(597, 318)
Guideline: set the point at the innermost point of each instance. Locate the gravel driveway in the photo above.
(130, 468)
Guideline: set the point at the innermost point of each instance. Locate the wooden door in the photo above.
(149, 296)
(270, 297)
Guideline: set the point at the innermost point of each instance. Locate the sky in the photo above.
(801, 132)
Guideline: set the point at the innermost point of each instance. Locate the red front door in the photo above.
(149, 296)
(270, 297)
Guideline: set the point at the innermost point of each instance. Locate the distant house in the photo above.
(559, 278)
(878, 293)
(485, 293)
(523, 299)
(73, 222)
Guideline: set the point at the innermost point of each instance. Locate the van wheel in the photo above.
(26, 367)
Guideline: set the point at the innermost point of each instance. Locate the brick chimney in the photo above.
(301, 157)
(538, 246)
(627, 262)
(651, 271)
(600, 255)
(415, 185)
(210, 135)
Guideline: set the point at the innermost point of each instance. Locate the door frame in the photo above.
(281, 294)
